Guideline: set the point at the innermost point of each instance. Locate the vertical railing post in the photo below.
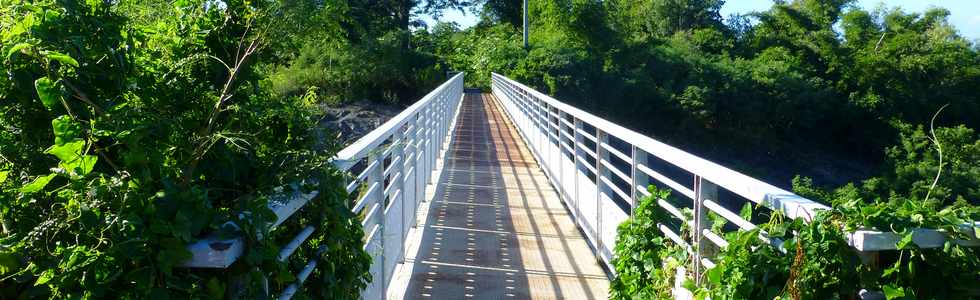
(576, 145)
(398, 177)
(547, 138)
(601, 155)
(561, 155)
(376, 176)
(420, 169)
(703, 190)
(430, 145)
(640, 179)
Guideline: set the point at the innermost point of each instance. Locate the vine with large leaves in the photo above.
(127, 133)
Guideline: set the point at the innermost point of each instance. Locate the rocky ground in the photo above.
(353, 120)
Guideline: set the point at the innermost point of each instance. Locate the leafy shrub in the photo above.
(128, 135)
(379, 69)
(644, 260)
(819, 263)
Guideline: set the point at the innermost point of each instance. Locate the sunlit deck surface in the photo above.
(495, 228)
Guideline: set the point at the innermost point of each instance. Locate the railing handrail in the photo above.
(397, 176)
(346, 157)
(542, 122)
(757, 191)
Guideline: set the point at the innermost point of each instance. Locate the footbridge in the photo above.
(513, 194)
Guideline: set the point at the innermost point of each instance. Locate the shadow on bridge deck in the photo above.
(495, 228)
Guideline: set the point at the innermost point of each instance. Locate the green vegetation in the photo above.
(773, 93)
(130, 128)
(645, 260)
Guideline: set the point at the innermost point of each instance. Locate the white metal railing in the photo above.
(399, 158)
(602, 169)
(615, 165)
(394, 163)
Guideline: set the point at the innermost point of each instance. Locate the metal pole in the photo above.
(525, 24)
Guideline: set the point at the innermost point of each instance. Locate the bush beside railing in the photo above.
(393, 165)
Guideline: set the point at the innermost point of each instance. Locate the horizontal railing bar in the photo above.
(750, 188)
(743, 224)
(707, 263)
(364, 173)
(589, 167)
(370, 141)
(295, 243)
(671, 209)
(359, 204)
(375, 208)
(586, 134)
(677, 187)
(872, 240)
(567, 148)
(588, 151)
(612, 169)
(392, 185)
(300, 278)
(612, 150)
(284, 210)
(714, 238)
(614, 188)
(674, 237)
(394, 163)
(567, 123)
(370, 236)
(408, 159)
(552, 134)
(643, 191)
(352, 186)
(728, 215)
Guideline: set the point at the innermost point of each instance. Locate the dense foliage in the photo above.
(131, 129)
(807, 86)
(839, 93)
(645, 260)
(818, 262)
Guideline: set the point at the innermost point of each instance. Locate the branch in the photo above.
(226, 93)
(939, 148)
(81, 96)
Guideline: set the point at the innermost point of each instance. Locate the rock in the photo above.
(352, 121)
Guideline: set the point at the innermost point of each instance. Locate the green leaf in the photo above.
(893, 292)
(38, 184)
(47, 91)
(61, 57)
(68, 151)
(714, 275)
(8, 263)
(3, 176)
(216, 290)
(905, 242)
(45, 277)
(17, 48)
(72, 157)
(65, 129)
(894, 268)
(689, 284)
(746, 212)
(84, 165)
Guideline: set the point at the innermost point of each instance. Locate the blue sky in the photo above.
(965, 14)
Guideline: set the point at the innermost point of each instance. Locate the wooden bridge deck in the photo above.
(495, 228)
